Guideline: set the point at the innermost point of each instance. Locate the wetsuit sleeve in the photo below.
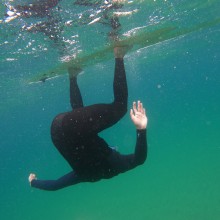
(52, 185)
(140, 155)
(141, 147)
(122, 163)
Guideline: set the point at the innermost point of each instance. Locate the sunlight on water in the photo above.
(64, 28)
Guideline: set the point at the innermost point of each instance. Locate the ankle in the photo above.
(120, 51)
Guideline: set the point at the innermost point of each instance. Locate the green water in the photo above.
(178, 81)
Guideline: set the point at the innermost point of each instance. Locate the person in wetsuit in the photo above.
(75, 134)
(38, 9)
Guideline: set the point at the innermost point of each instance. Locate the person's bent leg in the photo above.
(95, 118)
(120, 86)
(75, 95)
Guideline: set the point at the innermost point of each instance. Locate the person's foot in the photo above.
(74, 71)
(121, 51)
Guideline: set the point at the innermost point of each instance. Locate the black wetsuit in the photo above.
(75, 135)
(39, 9)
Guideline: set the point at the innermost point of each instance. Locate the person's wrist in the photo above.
(119, 57)
(31, 181)
(143, 127)
(141, 130)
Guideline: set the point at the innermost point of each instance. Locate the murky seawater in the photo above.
(178, 80)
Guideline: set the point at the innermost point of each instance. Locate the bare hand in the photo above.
(138, 116)
(31, 177)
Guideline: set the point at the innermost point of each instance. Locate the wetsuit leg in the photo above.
(95, 118)
(120, 85)
(75, 95)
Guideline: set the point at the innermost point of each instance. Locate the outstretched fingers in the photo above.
(132, 114)
(138, 107)
(134, 107)
(138, 115)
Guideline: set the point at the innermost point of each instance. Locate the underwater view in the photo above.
(172, 66)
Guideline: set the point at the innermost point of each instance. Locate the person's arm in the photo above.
(52, 185)
(140, 154)
(139, 118)
(121, 162)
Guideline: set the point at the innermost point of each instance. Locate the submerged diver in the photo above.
(42, 8)
(106, 7)
(50, 25)
(75, 134)
(53, 25)
(37, 9)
